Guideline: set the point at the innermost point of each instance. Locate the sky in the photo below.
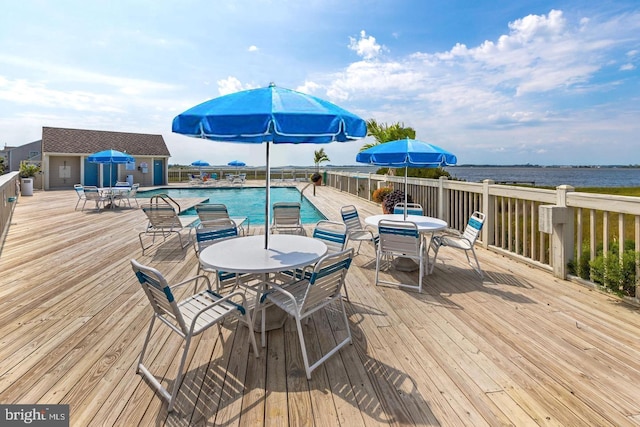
(494, 82)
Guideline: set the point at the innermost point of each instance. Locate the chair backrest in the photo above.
(79, 190)
(160, 296)
(412, 209)
(472, 230)
(399, 237)
(333, 234)
(286, 214)
(162, 216)
(91, 192)
(211, 231)
(134, 190)
(350, 218)
(210, 211)
(327, 279)
(122, 184)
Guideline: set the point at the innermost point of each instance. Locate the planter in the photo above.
(316, 178)
(26, 186)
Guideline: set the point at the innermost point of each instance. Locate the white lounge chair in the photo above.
(210, 211)
(286, 218)
(164, 221)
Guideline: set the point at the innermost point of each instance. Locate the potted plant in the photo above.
(27, 172)
(380, 194)
(392, 199)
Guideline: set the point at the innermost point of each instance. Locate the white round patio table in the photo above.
(425, 224)
(248, 255)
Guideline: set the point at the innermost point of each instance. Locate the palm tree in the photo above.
(320, 156)
(382, 132)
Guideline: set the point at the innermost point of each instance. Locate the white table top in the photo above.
(424, 223)
(114, 190)
(248, 255)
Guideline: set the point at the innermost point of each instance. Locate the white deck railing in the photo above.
(9, 185)
(539, 226)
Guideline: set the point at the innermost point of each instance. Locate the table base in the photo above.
(405, 264)
(275, 319)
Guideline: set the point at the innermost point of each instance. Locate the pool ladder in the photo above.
(165, 198)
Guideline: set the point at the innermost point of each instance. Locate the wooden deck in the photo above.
(517, 348)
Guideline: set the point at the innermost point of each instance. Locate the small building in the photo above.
(62, 155)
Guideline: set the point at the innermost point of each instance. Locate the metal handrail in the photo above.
(166, 199)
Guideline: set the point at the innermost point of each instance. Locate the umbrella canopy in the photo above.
(237, 164)
(110, 157)
(407, 153)
(272, 115)
(200, 163)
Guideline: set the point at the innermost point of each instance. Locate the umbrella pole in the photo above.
(267, 209)
(406, 171)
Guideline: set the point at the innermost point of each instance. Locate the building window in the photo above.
(33, 154)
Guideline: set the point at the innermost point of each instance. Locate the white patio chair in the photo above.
(127, 195)
(210, 211)
(412, 209)
(400, 239)
(355, 230)
(286, 218)
(187, 318)
(81, 197)
(464, 241)
(91, 193)
(301, 298)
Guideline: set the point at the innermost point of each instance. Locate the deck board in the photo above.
(518, 347)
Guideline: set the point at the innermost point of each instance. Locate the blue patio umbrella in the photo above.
(237, 164)
(200, 164)
(407, 153)
(110, 157)
(272, 115)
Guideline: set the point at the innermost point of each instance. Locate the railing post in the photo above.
(442, 208)
(488, 209)
(558, 220)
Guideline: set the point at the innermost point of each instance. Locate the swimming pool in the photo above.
(247, 202)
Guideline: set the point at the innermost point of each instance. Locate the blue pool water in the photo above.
(247, 202)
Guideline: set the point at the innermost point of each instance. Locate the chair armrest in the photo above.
(226, 298)
(192, 279)
(282, 290)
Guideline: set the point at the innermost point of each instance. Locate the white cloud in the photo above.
(232, 85)
(366, 47)
(253, 48)
(627, 67)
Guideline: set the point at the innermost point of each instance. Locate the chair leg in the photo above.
(436, 249)
(252, 335)
(178, 379)
(477, 268)
(305, 358)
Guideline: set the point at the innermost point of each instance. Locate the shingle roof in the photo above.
(80, 141)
